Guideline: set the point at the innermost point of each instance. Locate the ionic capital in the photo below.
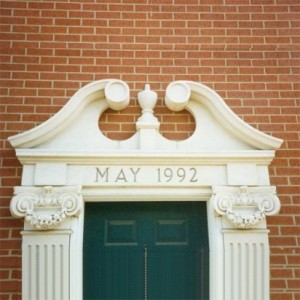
(244, 206)
(46, 207)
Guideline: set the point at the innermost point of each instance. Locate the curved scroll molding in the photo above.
(115, 92)
(179, 93)
(261, 199)
(44, 208)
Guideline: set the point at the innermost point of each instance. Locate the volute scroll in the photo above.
(44, 208)
(256, 203)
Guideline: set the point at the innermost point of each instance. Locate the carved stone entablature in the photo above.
(255, 203)
(46, 207)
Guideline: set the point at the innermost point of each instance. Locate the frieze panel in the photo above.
(141, 175)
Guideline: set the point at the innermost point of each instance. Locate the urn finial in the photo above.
(147, 100)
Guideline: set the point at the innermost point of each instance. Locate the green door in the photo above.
(155, 251)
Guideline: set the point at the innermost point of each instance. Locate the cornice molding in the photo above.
(258, 202)
(32, 156)
(44, 208)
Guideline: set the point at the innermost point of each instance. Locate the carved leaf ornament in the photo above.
(228, 201)
(46, 207)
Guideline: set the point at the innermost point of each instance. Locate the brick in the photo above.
(293, 284)
(151, 7)
(16, 274)
(11, 286)
(294, 259)
(10, 244)
(94, 6)
(283, 273)
(173, 23)
(283, 296)
(284, 240)
(119, 135)
(10, 262)
(277, 284)
(14, 20)
(148, 39)
(4, 274)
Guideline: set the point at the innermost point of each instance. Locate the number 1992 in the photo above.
(179, 174)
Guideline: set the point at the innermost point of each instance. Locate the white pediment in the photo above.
(75, 127)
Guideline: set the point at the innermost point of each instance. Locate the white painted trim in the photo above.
(75, 106)
(95, 91)
(231, 156)
(31, 156)
(229, 119)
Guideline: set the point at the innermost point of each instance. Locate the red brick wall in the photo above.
(246, 50)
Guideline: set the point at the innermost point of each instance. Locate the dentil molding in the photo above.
(255, 202)
(46, 207)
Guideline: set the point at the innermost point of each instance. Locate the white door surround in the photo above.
(68, 161)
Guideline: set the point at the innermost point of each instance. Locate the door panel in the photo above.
(171, 232)
(155, 251)
(121, 232)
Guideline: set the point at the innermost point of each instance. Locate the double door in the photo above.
(156, 251)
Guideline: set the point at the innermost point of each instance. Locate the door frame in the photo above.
(67, 161)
